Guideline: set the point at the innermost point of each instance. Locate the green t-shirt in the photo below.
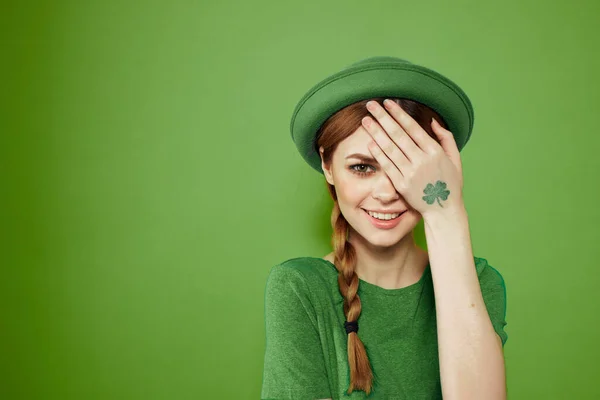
(306, 353)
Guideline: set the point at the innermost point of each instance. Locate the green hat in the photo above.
(379, 76)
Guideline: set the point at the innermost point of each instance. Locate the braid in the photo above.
(361, 376)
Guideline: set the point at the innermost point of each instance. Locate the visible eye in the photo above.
(360, 170)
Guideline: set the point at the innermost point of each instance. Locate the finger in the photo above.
(410, 126)
(388, 166)
(394, 130)
(383, 141)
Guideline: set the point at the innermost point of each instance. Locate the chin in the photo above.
(381, 238)
(385, 239)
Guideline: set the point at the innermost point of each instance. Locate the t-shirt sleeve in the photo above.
(294, 364)
(493, 290)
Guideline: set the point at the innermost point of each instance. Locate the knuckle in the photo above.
(409, 174)
(390, 148)
(435, 151)
(407, 122)
(406, 141)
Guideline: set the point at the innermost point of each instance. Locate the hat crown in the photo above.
(377, 60)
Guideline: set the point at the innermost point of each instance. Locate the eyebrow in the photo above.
(362, 157)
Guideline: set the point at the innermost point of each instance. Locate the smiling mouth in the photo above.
(391, 219)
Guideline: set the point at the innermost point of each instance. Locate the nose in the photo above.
(384, 189)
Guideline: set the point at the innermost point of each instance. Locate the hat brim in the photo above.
(393, 79)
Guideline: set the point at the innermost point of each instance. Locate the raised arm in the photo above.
(470, 350)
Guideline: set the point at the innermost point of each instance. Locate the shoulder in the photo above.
(304, 268)
(488, 275)
(493, 290)
(304, 275)
(297, 288)
(483, 266)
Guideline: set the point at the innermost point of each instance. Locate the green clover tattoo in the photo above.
(436, 192)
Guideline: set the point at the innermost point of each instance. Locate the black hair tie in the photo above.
(351, 326)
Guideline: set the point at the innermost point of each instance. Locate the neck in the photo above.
(390, 267)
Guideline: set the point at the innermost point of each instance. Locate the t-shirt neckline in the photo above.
(366, 287)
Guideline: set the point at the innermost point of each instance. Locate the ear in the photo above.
(326, 171)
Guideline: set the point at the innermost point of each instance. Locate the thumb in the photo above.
(448, 143)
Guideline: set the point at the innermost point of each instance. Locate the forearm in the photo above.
(471, 357)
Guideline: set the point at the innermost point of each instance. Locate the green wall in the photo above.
(148, 182)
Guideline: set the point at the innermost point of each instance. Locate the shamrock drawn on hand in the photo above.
(435, 192)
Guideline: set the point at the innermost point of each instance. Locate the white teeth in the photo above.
(383, 216)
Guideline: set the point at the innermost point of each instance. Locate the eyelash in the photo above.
(359, 172)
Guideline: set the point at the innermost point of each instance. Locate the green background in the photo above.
(149, 182)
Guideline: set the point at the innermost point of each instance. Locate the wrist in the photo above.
(450, 213)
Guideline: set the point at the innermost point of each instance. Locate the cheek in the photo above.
(352, 191)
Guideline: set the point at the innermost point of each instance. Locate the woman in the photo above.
(431, 322)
